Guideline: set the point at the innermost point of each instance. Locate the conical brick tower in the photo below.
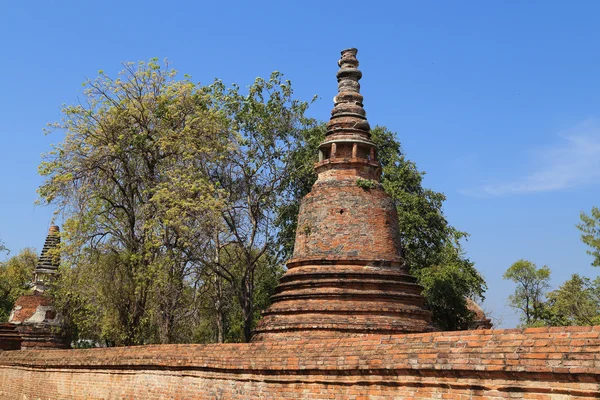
(347, 275)
(34, 315)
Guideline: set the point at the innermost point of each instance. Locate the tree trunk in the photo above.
(219, 309)
(247, 306)
(219, 327)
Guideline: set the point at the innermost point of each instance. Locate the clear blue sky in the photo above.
(497, 101)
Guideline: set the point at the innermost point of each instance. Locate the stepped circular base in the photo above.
(345, 298)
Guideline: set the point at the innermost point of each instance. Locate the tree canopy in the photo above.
(169, 191)
(268, 122)
(129, 180)
(590, 233)
(532, 285)
(16, 274)
(575, 302)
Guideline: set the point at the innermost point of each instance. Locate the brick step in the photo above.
(353, 294)
(358, 284)
(337, 272)
(330, 309)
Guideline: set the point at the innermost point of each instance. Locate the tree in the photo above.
(171, 189)
(129, 180)
(532, 284)
(576, 302)
(268, 123)
(590, 233)
(431, 245)
(222, 318)
(15, 276)
(447, 284)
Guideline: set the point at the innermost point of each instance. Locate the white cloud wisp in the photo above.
(575, 161)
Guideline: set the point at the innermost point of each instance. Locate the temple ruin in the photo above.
(347, 320)
(34, 321)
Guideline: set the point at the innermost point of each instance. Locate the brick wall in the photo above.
(538, 363)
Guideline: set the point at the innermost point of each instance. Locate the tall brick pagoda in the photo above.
(34, 315)
(347, 274)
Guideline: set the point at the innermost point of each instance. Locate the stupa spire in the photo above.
(47, 266)
(348, 117)
(348, 151)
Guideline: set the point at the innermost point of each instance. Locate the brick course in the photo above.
(539, 363)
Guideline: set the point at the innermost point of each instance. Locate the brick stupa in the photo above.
(34, 315)
(347, 274)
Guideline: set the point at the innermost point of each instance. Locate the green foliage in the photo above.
(590, 233)
(221, 315)
(424, 230)
(431, 245)
(97, 294)
(447, 285)
(15, 276)
(532, 284)
(129, 180)
(169, 191)
(576, 302)
(298, 182)
(365, 184)
(268, 122)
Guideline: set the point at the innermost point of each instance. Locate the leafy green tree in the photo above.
(268, 122)
(129, 181)
(590, 233)
(170, 191)
(15, 276)
(431, 245)
(217, 298)
(532, 285)
(90, 295)
(222, 318)
(576, 302)
(447, 284)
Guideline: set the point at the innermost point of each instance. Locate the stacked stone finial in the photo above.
(348, 117)
(347, 274)
(48, 263)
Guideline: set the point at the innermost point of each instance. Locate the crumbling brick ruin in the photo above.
(34, 318)
(347, 320)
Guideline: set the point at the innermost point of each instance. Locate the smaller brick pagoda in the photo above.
(347, 274)
(34, 315)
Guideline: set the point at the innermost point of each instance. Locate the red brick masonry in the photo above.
(535, 363)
